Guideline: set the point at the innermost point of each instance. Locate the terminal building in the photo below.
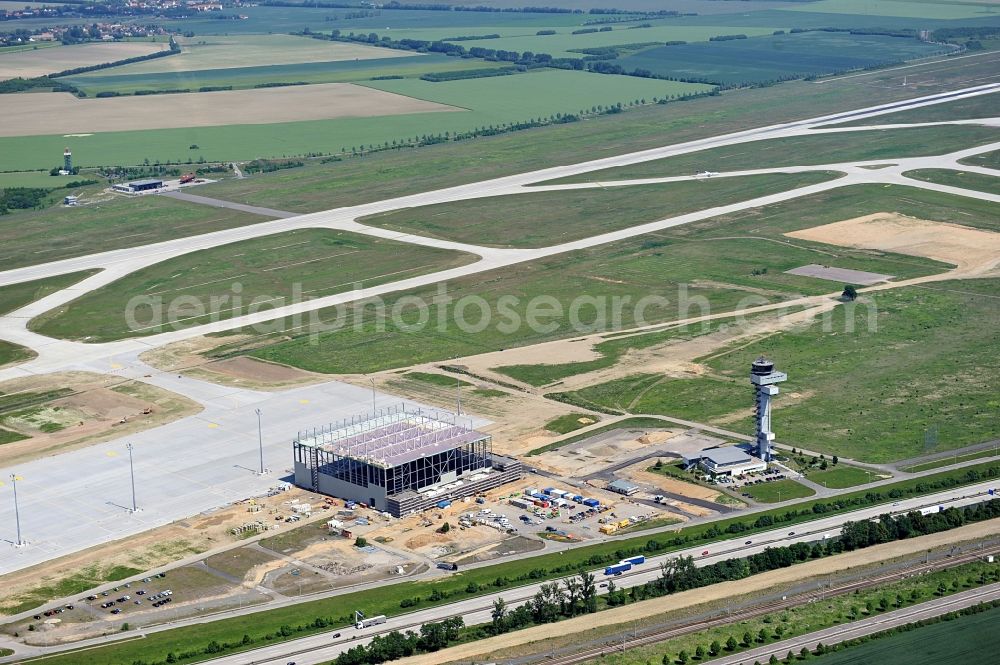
(138, 186)
(726, 461)
(400, 461)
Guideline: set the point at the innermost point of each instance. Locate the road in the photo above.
(321, 648)
(65, 510)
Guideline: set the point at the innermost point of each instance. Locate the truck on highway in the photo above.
(618, 568)
(930, 510)
(370, 621)
(447, 565)
(634, 560)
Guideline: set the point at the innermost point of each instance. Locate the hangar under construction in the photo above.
(400, 461)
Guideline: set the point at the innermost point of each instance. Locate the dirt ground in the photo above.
(186, 358)
(94, 413)
(638, 473)
(156, 547)
(63, 113)
(762, 582)
(29, 64)
(972, 251)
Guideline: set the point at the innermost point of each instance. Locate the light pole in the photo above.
(260, 441)
(374, 410)
(17, 514)
(131, 471)
(458, 393)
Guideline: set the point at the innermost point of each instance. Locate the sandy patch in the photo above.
(100, 408)
(973, 251)
(756, 583)
(63, 113)
(247, 372)
(639, 474)
(29, 64)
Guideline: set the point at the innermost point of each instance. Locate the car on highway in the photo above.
(705, 553)
(749, 542)
(791, 533)
(336, 635)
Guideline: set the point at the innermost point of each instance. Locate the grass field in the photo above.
(871, 394)
(966, 639)
(16, 296)
(975, 181)
(777, 491)
(437, 379)
(839, 477)
(569, 422)
(954, 459)
(652, 265)
(32, 179)
(12, 353)
(990, 160)
(379, 600)
(980, 106)
(548, 218)
(719, 270)
(386, 174)
(239, 278)
(804, 150)
(39, 236)
(774, 57)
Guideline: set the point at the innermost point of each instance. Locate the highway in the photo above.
(322, 647)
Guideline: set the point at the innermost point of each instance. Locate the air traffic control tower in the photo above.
(764, 379)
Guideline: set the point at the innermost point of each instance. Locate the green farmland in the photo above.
(490, 102)
(873, 393)
(343, 71)
(775, 57)
(539, 219)
(963, 640)
(881, 144)
(239, 278)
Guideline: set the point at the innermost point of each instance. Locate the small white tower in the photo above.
(764, 378)
(67, 160)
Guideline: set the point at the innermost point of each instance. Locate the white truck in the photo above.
(370, 621)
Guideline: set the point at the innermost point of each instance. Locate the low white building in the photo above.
(727, 461)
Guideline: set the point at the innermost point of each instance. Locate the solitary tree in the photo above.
(850, 293)
(714, 648)
(683, 657)
(361, 541)
(699, 653)
(731, 644)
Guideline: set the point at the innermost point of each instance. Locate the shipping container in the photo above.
(593, 503)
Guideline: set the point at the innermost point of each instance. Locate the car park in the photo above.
(140, 592)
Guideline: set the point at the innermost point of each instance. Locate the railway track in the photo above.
(766, 608)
